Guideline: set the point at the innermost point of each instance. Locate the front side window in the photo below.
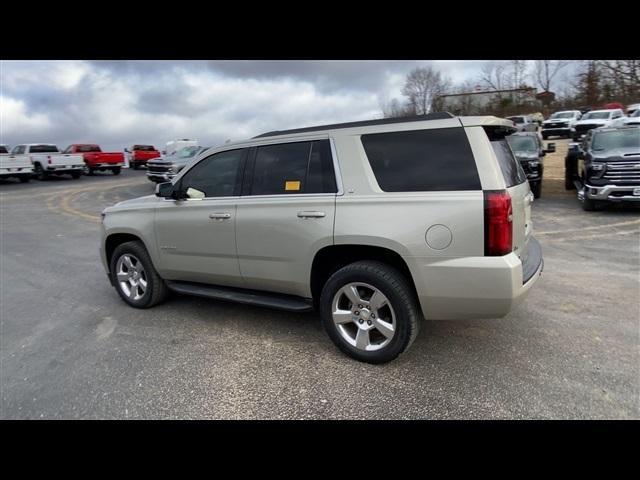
(422, 160)
(17, 150)
(290, 168)
(215, 176)
(520, 144)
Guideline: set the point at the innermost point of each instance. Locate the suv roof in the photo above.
(364, 123)
(485, 120)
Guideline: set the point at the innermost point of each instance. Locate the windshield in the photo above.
(43, 149)
(596, 115)
(635, 114)
(522, 143)
(516, 119)
(188, 152)
(144, 148)
(562, 115)
(616, 139)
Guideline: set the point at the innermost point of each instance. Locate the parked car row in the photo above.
(42, 160)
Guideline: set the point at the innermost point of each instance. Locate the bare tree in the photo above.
(396, 108)
(422, 87)
(621, 78)
(545, 71)
(493, 76)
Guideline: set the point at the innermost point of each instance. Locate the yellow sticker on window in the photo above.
(291, 185)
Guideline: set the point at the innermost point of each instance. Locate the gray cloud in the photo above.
(117, 103)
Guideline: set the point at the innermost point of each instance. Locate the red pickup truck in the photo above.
(140, 154)
(96, 159)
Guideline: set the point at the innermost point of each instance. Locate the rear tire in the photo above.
(376, 332)
(76, 175)
(135, 166)
(91, 172)
(545, 136)
(116, 171)
(155, 290)
(39, 172)
(25, 179)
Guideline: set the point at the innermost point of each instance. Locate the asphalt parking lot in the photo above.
(70, 348)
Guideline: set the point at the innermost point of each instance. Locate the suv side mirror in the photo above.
(551, 148)
(164, 190)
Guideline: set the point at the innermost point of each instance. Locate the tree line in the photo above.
(590, 83)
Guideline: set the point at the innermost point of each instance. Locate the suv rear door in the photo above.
(286, 213)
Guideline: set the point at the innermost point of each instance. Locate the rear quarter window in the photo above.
(511, 169)
(422, 160)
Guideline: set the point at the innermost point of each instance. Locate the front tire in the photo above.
(536, 189)
(116, 171)
(25, 179)
(136, 280)
(369, 311)
(76, 175)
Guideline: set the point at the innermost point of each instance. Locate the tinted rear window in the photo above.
(3, 149)
(511, 168)
(290, 168)
(88, 148)
(144, 148)
(422, 160)
(43, 149)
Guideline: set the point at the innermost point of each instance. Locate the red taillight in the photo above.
(498, 225)
(49, 159)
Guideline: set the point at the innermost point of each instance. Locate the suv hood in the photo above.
(147, 200)
(630, 154)
(526, 154)
(594, 121)
(557, 120)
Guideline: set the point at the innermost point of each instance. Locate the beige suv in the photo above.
(375, 224)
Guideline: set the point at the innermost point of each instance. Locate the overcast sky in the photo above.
(119, 103)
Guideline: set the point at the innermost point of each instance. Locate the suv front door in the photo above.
(196, 234)
(286, 214)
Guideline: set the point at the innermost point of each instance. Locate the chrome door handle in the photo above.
(219, 216)
(311, 214)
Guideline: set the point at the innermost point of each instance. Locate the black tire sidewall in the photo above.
(138, 250)
(402, 311)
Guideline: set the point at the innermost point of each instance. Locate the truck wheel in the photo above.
(76, 175)
(536, 189)
(116, 171)
(91, 172)
(544, 136)
(134, 276)
(25, 179)
(369, 311)
(39, 172)
(135, 166)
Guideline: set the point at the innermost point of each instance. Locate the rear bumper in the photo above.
(105, 165)
(64, 168)
(612, 193)
(474, 287)
(16, 171)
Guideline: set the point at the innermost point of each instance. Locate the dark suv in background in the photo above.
(529, 151)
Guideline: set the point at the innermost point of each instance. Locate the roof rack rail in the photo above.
(364, 123)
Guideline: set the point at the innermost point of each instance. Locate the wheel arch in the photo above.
(331, 258)
(112, 241)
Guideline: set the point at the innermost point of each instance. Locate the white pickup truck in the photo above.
(12, 166)
(47, 160)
